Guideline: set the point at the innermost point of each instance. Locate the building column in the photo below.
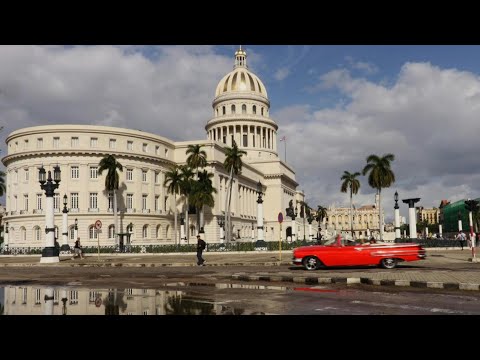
(411, 216)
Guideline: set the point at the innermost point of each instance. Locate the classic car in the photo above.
(340, 252)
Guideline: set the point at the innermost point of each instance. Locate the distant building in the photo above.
(431, 215)
(452, 212)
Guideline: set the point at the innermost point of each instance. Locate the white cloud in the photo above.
(281, 74)
(428, 118)
(366, 67)
(110, 85)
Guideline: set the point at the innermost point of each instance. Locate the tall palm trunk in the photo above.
(227, 208)
(187, 221)
(115, 218)
(175, 217)
(380, 214)
(351, 211)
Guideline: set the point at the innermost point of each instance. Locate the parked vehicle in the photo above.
(341, 252)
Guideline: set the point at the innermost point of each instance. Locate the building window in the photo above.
(166, 152)
(56, 201)
(130, 145)
(157, 198)
(39, 143)
(23, 234)
(73, 297)
(27, 174)
(224, 110)
(233, 109)
(75, 141)
(36, 233)
(129, 201)
(165, 203)
(74, 200)
(25, 202)
(56, 142)
(93, 172)
(244, 109)
(24, 295)
(245, 140)
(144, 202)
(112, 143)
(15, 176)
(157, 150)
(254, 109)
(39, 201)
(93, 142)
(93, 200)
(145, 231)
(25, 144)
(145, 148)
(92, 232)
(144, 175)
(75, 172)
(37, 297)
(157, 177)
(111, 231)
(129, 174)
(110, 200)
(72, 233)
(262, 111)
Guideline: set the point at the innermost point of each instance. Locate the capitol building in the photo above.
(241, 113)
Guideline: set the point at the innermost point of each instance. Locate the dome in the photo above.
(241, 80)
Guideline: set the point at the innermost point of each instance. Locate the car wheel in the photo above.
(311, 263)
(388, 263)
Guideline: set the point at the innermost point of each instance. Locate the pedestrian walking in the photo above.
(461, 238)
(201, 244)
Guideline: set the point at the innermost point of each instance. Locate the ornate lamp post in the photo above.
(64, 302)
(182, 227)
(397, 217)
(293, 215)
(221, 223)
(260, 244)
(253, 231)
(65, 246)
(49, 253)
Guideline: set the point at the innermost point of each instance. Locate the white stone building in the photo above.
(240, 112)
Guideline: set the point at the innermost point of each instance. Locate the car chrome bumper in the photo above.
(297, 261)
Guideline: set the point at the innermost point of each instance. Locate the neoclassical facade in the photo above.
(240, 112)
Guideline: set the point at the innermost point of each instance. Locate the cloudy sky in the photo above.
(335, 105)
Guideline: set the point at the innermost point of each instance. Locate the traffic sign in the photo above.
(98, 224)
(280, 217)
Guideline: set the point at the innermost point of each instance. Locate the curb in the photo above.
(189, 264)
(310, 280)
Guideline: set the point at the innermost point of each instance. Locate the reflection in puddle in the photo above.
(38, 300)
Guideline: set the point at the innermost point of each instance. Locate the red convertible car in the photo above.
(344, 253)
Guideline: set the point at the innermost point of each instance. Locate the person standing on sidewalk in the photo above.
(201, 244)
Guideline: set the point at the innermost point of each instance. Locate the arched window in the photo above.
(224, 110)
(262, 111)
(23, 234)
(159, 232)
(234, 110)
(92, 233)
(37, 233)
(145, 231)
(217, 111)
(111, 231)
(254, 109)
(244, 109)
(167, 232)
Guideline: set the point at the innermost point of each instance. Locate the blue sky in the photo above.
(335, 104)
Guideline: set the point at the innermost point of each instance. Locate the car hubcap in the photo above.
(311, 264)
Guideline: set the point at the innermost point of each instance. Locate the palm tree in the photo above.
(350, 182)
(380, 176)
(111, 165)
(2, 183)
(197, 158)
(321, 214)
(173, 181)
(186, 187)
(202, 194)
(233, 165)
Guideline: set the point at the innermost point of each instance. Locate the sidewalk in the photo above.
(448, 269)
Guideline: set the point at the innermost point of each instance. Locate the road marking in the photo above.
(410, 307)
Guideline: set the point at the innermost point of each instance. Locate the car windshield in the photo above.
(343, 241)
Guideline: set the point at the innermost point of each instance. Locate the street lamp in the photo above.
(397, 217)
(253, 231)
(75, 230)
(182, 227)
(221, 223)
(65, 246)
(260, 244)
(49, 253)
